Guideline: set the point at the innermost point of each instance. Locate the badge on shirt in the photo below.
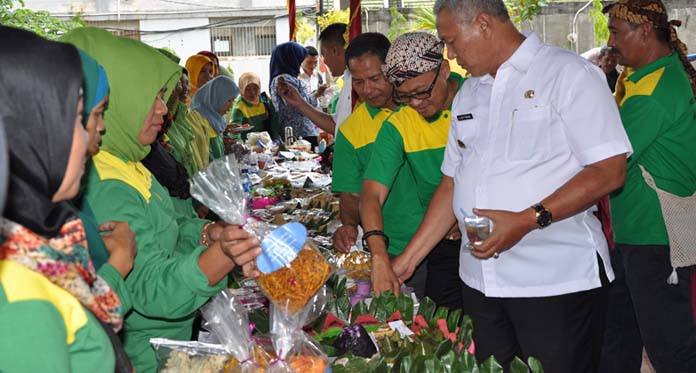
(461, 144)
(466, 116)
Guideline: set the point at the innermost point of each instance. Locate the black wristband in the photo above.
(374, 233)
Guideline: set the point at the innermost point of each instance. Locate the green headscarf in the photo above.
(136, 73)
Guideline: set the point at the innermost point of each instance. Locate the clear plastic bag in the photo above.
(292, 269)
(190, 356)
(219, 187)
(297, 352)
(227, 318)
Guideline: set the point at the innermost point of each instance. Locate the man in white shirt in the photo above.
(332, 45)
(307, 72)
(535, 126)
(313, 78)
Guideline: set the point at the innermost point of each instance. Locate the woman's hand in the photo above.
(241, 247)
(121, 245)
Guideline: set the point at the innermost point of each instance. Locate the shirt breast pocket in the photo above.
(528, 135)
(466, 137)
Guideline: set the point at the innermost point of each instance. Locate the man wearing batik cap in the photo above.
(658, 111)
(535, 141)
(414, 136)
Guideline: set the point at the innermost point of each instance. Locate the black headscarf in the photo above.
(41, 82)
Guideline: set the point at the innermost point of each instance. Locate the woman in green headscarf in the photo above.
(174, 272)
(111, 245)
(180, 135)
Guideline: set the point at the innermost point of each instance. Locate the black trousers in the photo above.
(645, 311)
(443, 284)
(564, 332)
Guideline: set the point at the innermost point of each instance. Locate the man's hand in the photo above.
(290, 94)
(508, 229)
(403, 267)
(321, 90)
(121, 245)
(241, 247)
(383, 277)
(344, 237)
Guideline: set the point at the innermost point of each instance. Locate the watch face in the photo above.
(544, 218)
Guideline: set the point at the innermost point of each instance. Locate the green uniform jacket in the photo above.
(43, 328)
(261, 117)
(408, 138)
(659, 115)
(355, 143)
(166, 284)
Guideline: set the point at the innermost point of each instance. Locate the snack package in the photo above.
(296, 351)
(227, 318)
(190, 356)
(292, 269)
(355, 264)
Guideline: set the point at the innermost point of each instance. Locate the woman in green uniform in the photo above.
(254, 108)
(181, 261)
(55, 312)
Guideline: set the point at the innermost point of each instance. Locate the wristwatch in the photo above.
(543, 216)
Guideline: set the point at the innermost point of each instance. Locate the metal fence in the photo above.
(241, 38)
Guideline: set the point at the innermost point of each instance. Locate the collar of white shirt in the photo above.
(520, 60)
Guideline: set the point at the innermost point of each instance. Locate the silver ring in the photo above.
(496, 255)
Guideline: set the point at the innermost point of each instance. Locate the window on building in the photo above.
(241, 38)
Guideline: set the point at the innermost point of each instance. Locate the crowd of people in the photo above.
(588, 258)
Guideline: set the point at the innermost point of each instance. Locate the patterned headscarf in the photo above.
(412, 55)
(64, 260)
(639, 12)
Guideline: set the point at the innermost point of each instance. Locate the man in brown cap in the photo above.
(650, 300)
(413, 137)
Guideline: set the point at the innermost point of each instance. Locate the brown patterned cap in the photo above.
(412, 55)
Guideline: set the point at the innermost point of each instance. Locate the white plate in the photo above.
(240, 129)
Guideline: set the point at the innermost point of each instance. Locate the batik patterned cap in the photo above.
(412, 55)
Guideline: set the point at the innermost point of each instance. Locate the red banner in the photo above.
(355, 25)
(292, 19)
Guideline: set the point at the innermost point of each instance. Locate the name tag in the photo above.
(466, 116)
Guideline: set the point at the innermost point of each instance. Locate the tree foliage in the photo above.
(525, 10)
(424, 20)
(399, 24)
(333, 16)
(13, 13)
(601, 26)
(306, 28)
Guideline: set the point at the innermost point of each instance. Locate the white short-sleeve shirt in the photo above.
(344, 106)
(513, 141)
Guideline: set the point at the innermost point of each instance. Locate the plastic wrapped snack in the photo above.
(297, 352)
(355, 264)
(189, 356)
(292, 270)
(227, 318)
